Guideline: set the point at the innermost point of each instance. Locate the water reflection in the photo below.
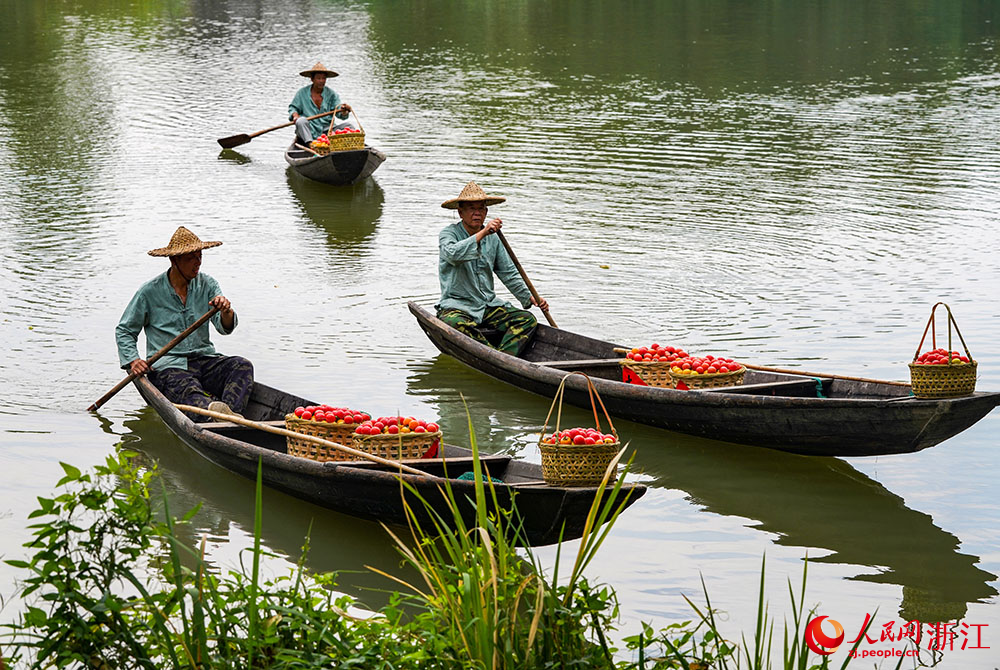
(725, 45)
(828, 504)
(348, 214)
(804, 501)
(233, 156)
(337, 542)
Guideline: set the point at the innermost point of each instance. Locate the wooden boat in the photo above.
(338, 168)
(805, 415)
(368, 490)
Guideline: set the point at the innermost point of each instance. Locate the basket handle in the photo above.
(558, 398)
(931, 326)
(333, 121)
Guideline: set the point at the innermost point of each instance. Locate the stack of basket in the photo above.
(656, 369)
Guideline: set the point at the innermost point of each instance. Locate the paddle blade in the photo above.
(233, 141)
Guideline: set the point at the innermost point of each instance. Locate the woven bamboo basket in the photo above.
(400, 445)
(653, 373)
(578, 465)
(334, 432)
(345, 141)
(708, 380)
(943, 381)
(953, 380)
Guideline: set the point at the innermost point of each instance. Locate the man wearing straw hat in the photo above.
(469, 255)
(313, 99)
(193, 372)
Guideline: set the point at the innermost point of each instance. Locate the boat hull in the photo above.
(339, 168)
(856, 419)
(363, 490)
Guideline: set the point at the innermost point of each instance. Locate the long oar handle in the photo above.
(307, 438)
(524, 276)
(290, 123)
(155, 357)
(803, 373)
(823, 374)
(307, 149)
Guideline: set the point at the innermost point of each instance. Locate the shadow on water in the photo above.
(337, 543)
(348, 214)
(810, 502)
(235, 157)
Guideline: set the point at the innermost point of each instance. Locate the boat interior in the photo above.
(577, 353)
(268, 406)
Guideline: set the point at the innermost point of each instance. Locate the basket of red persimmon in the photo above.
(652, 364)
(939, 372)
(672, 367)
(701, 372)
(577, 456)
(345, 139)
(335, 424)
(398, 437)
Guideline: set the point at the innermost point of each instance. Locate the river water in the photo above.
(787, 183)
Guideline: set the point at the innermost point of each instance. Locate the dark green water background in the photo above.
(788, 183)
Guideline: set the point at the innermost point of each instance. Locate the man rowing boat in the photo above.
(193, 373)
(469, 255)
(313, 99)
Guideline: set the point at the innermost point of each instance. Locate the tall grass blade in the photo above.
(258, 513)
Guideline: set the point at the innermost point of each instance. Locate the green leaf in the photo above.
(72, 472)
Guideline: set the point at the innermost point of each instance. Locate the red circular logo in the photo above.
(816, 639)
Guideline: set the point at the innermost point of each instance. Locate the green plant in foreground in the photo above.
(496, 607)
(110, 585)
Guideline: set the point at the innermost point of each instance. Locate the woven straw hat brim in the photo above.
(183, 241)
(473, 193)
(318, 67)
(186, 249)
(454, 202)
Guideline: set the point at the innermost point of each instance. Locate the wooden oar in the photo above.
(243, 138)
(396, 465)
(823, 374)
(312, 151)
(524, 276)
(155, 357)
(803, 373)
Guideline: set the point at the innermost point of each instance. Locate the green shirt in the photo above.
(304, 105)
(157, 308)
(466, 272)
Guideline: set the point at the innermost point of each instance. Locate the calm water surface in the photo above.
(788, 183)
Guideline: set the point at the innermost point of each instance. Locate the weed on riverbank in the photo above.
(109, 585)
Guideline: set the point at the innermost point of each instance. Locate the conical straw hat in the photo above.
(318, 67)
(183, 242)
(472, 193)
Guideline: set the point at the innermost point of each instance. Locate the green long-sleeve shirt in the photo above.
(158, 309)
(466, 269)
(304, 105)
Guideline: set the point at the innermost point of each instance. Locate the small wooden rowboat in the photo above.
(338, 168)
(371, 491)
(804, 415)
